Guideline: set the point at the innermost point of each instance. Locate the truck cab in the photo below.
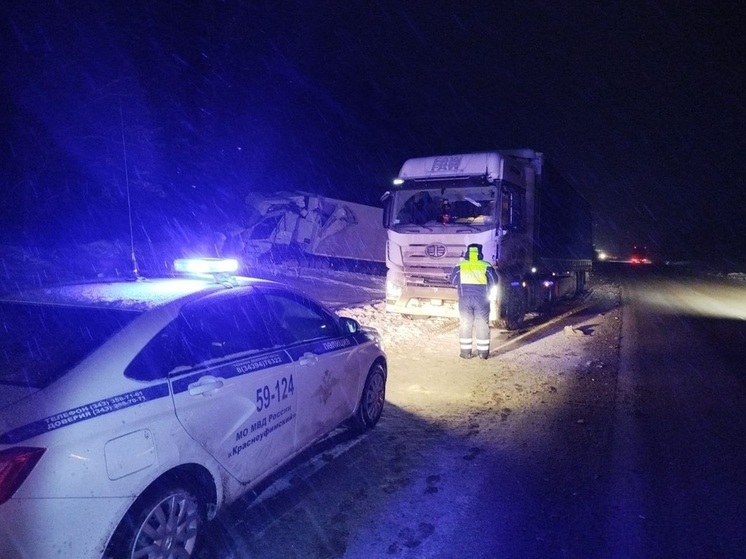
(438, 205)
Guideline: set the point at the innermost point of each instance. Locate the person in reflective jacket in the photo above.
(474, 278)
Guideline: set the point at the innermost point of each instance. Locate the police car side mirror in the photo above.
(349, 325)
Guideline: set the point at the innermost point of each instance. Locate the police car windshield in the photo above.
(40, 343)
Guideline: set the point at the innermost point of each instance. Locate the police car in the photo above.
(130, 412)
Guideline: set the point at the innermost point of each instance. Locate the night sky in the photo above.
(639, 104)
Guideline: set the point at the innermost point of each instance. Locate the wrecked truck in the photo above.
(305, 229)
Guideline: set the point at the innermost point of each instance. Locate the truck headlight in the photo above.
(392, 290)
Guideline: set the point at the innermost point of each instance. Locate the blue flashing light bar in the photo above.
(206, 265)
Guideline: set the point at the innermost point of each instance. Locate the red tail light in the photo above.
(15, 466)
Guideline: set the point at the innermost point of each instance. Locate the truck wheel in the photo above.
(513, 311)
(548, 302)
(373, 398)
(579, 283)
(165, 521)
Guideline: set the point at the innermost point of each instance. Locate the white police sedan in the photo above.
(130, 412)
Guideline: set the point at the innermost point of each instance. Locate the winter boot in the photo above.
(465, 354)
(484, 354)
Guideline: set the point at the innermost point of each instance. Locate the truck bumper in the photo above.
(417, 308)
(409, 304)
(418, 300)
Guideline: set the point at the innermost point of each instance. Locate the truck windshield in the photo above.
(445, 206)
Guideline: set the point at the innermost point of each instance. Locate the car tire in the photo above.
(166, 520)
(372, 400)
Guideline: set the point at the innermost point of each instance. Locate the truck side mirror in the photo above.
(386, 201)
(511, 210)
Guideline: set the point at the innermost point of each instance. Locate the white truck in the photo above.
(312, 230)
(533, 227)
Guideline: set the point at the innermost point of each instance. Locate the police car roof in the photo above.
(139, 295)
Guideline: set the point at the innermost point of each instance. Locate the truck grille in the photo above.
(430, 264)
(436, 253)
(427, 281)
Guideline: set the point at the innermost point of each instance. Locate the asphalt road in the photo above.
(616, 432)
(679, 483)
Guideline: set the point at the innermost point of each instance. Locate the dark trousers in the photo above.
(474, 313)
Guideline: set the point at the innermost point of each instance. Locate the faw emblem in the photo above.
(436, 250)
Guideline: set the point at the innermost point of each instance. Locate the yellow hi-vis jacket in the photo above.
(473, 276)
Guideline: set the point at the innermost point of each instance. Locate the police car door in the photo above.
(237, 398)
(327, 376)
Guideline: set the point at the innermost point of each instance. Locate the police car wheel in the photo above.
(373, 398)
(164, 522)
